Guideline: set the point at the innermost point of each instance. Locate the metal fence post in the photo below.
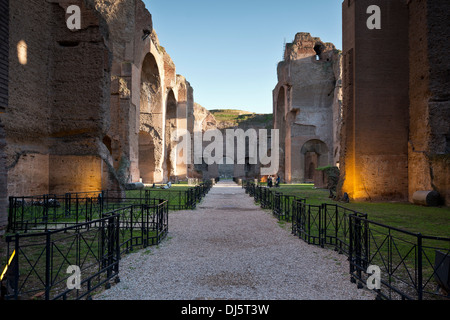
(322, 232)
(11, 215)
(47, 265)
(419, 267)
(16, 268)
(350, 249)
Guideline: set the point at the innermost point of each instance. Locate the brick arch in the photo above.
(146, 157)
(313, 154)
(151, 89)
(170, 165)
(280, 123)
(151, 121)
(4, 63)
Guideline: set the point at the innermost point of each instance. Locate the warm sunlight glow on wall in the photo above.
(354, 185)
(22, 52)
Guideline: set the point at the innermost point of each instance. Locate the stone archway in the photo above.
(313, 154)
(146, 157)
(280, 124)
(170, 161)
(226, 170)
(151, 122)
(151, 95)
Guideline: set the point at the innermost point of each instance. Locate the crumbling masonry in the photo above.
(380, 110)
(396, 112)
(307, 107)
(89, 109)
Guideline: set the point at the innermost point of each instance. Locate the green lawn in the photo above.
(392, 250)
(175, 187)
(176, 195)
(431, 221)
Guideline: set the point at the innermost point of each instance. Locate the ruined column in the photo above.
(374, 155)
(305, 100)
(4, 53)
(429, 138)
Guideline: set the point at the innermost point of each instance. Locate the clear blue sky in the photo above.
(228, 50)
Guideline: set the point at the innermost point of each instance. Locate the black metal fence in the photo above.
(270, 198)
(41, 259)
(411, 266)
(180, 200)
(90, 230)
(48, 212)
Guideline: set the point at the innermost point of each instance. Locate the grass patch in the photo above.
(390, 249)
(431, 221)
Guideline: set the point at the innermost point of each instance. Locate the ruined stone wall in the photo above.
(235, 165)
(191, 173)
(203, 121)
(126, 22)
(3, 182)
(75, 115)
(27, 117)
(4, 54)
(337, 105)
(143, 75)
(80, 114)
(429, 139)
(395, 134)
(306, 106)
(183, 88)
(58, 110)
(376, 114)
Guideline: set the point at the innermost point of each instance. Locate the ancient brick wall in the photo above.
(429, 144)
(142, 76)
(376, 116)
(4, 53)
(26, 120)
(80, 114)
(58, 110)
(306, 106)
(396, 119)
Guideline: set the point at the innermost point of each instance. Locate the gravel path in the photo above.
(229, 248)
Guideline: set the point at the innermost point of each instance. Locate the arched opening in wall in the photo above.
(108, 143)
(202, 169)
(150, 115)
(314, 154)
(280, 123)
(151, 100)
(318, 50)
(146, 157)
(281, 108)
(309, 174)
(447, 145)
(171, 125)
(3, 180)
(250, 169)
(226, 170)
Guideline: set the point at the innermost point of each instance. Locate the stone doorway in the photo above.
(313, 155)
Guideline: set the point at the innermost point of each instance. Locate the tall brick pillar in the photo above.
(376, 104)
(4, 56)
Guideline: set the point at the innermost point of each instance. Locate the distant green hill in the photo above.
(238, 118)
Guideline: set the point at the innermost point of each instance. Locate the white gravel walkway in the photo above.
(229, 248)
